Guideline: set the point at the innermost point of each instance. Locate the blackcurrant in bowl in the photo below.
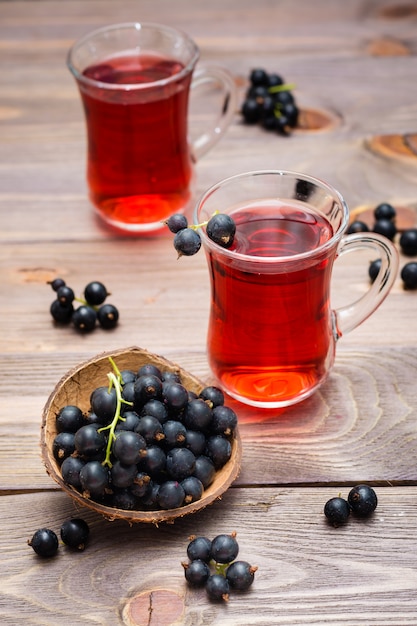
(95, 480)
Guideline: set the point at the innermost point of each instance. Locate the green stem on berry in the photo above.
(197, 226)
(220, 568)
(284, 87)
(114, 381)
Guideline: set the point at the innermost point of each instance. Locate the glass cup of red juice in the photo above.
(134, 80)
(272, 330)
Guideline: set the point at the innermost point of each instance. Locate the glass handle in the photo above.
(222, 80)
(350, 316)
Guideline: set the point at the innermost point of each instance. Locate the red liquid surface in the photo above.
(139, 168)
(270, 334)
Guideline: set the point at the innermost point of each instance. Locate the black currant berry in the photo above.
(70, 470)
(196, 573)
(384, 211)
(259, 76)
(337, 511)
(56, 283)
(94, 479)
(241, 575)
(224, 548)
(103, 403)
(176, 222)
(221, 229)
(180, 463)
(69, 419)
(84, 318)
(204, 470)
(219, 450)
(61, 313)
(129, 447)
(44, 542)
(95, 293)
(199, 548)
(108, 316)
(63, 446)
(408, 242)
(193, 489)
(224, 421)
(357, 227)
(374, 268)
(409, 275)
(170, 495)
(385, 227)
(89, 441)
(251, 111)
(213, 395)
(217, 587)
(187, 242)
(74, 533)
(363, 500)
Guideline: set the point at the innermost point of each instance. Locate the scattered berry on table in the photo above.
(241, 575)
(337, 511)
(362, 500)
(384, 211)
(385, 227)
(74, 533)
(217, 587)
(91, 310)
(357, 227)
(148, 452)
(269, 101)
(44, 542)
(409, 275)
(374, 268)
(212, 565)
(408, 242)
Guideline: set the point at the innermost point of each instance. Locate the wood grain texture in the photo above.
(309, 572)
(353, 62)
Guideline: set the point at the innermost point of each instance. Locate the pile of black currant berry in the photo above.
(220, 228)
(147, 443)
(74, 534)
(91, 309)
(385, 225)
(269, 101)
(362, 502)
(212, 565)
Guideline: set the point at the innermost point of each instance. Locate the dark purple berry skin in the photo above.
(61, 313)
(384, 211)
(240, 575)
(95, 293)
(170, 495)
(374, 268)
(386, 228)
(363, 500)
(196, 573)
(221, 229)
(409, 275)
(224, 548)
(74, 533)
(84, 318)
(63, 446)
(57, 283)
(337, 511)
(217, 588)
(69, 419)
(108, 316)
(187, 242)
(199, 548)
(408, 242)
(44, 542)
(177, 222)
(357, 227)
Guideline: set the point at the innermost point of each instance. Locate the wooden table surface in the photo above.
(354, 63)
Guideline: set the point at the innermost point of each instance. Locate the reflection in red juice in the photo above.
(139, 168)
(270, 331)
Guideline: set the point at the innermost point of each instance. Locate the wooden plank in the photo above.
(309, 572)
(361, 426)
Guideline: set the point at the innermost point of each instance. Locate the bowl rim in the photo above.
(227, 474)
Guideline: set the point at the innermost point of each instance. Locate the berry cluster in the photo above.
(147, 443)
(90, 311)
(269, 102)
(220, 228)
(384, 224)
(212, 565)
(74, 534)
(362, 501)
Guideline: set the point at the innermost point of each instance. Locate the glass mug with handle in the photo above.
(272, 331)
(134, 80)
